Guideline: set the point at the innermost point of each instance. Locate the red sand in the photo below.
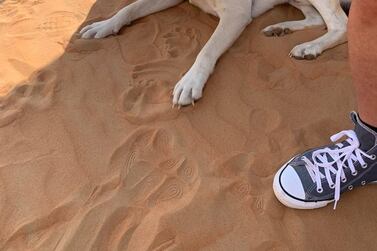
(92, 157)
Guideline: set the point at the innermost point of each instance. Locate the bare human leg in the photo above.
(313, 179)
(362, 34)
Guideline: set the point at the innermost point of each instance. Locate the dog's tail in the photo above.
(346, 5)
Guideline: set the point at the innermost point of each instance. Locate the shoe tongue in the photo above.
(367, 137)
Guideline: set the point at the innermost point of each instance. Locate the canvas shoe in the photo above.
(318, 176)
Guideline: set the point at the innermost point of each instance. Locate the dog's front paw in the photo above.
(101, 29)
(308, 51)
(189, 89)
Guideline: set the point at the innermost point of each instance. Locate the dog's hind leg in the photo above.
(232, 22)
(336, 21)
(125, 16)
(312, 19)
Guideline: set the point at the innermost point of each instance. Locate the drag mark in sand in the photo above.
(157, 176)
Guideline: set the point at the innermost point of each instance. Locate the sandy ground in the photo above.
(92, 157)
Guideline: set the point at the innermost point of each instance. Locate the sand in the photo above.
(92, 157)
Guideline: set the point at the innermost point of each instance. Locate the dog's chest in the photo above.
(208, 6)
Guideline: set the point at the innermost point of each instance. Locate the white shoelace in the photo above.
(343, 157)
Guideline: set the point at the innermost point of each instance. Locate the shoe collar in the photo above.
(367, 137)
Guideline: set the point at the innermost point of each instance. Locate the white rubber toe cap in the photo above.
(290, 192)
(291, 183)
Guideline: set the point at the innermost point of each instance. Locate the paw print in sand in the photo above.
(36, 93)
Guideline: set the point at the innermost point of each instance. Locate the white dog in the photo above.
(234, 16)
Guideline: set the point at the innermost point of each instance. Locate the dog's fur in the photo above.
(234, 16)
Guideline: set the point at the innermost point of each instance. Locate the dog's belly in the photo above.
(208, 6)
(299, 2)
(259, 6)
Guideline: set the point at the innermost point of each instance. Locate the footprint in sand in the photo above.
(177, 174)
(24, 29)
(180, 42)
(150, 170)
(253, 191)
(7, 10)
(36, 93)
(164, 240)
(271, 137)
(257, 205)
(19, 8)
(153, 165)
(148, 101)
(59, 22)
(265, 138)
(55, 24)
(245, 187)
(264, 120)
(149, 96)
(10, 8)
(41, 89)
(40, 231)
(274, 76)
(22, 67)
(239, 170)
(263, 123)
(171, 189)
(269, 245)
(241, 188)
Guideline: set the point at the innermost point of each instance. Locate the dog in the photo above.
(234, 16)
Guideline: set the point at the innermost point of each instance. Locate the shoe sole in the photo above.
(291, 202)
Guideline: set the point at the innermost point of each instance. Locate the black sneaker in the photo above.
(318, 176)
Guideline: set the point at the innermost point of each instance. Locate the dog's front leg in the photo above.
(125, 16)
(190, 87)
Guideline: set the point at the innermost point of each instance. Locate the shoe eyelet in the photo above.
(350, 187)
(364, 166)
(319, 190)
(344, 180)
(363, 183)
(354, 173)
(332, 186)
(373, 157)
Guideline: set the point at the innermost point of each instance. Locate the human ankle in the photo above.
(371, 126)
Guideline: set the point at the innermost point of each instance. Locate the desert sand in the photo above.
(93, 157)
